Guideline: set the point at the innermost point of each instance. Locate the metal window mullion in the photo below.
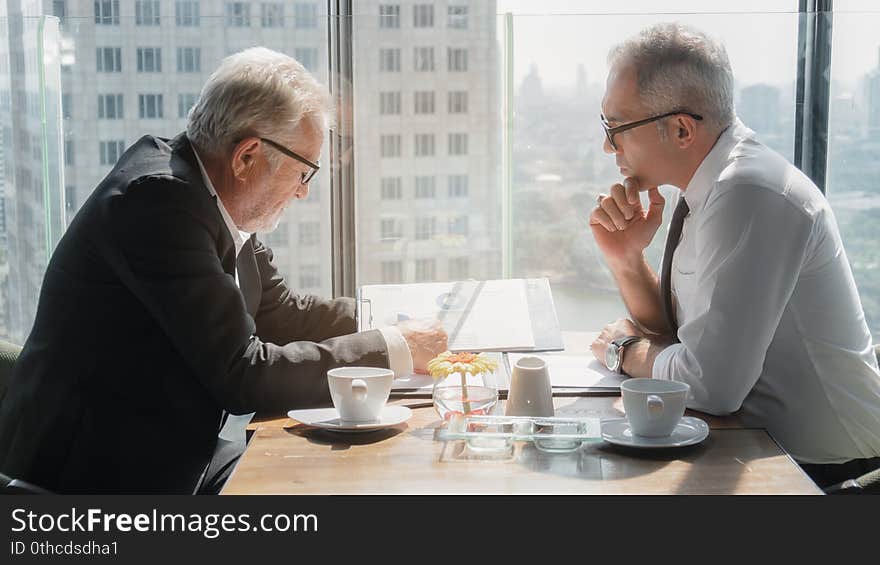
(343, 216)
(813, 94)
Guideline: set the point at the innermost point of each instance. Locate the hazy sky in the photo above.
(760, 35)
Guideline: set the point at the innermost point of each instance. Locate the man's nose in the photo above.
(606, 146)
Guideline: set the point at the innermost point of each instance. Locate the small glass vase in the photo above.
(463, 394)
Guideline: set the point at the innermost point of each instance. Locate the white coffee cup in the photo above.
(530, 391)
(359, 393)
(653, 407)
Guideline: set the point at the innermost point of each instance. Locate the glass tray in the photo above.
(556, 435)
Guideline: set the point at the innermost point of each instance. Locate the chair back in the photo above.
(9, 353)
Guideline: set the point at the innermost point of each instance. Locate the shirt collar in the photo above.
(239, 238)
(715, 161)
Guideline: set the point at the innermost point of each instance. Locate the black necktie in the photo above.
(681, 210)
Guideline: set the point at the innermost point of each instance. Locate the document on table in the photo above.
(424, 383)
(494, 315)
(576, 371)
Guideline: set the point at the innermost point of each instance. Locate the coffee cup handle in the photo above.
(655, 406)
(358, 390)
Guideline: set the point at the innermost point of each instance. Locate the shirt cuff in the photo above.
(663, 363)
(399, 357)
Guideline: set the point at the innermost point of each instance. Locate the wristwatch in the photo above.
(614, 352)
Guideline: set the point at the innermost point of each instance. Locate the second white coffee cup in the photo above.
(653, 407)
(359, 393)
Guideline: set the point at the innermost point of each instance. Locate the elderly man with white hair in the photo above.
(161, 315)
(756, 307)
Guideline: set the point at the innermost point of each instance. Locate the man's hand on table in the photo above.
(638, 358)
(426, 339)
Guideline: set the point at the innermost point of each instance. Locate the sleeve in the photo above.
(751, 245)
(399, 356)
(168, 259)
(285, 316)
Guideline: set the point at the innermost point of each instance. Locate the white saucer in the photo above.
(328, 419)
(689, 431)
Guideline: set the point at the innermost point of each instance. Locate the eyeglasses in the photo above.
(306, 177)
(610, 132)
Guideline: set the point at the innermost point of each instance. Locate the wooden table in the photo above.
(285, 457)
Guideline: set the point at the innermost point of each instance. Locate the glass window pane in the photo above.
(854, 146)
(111, 57)
(558, 166)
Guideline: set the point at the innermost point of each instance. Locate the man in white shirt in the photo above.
(756, 308)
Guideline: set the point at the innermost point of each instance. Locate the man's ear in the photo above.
(685, 130)
(244, 157)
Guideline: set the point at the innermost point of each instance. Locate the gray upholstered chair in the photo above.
(8, 354)
(869, 483)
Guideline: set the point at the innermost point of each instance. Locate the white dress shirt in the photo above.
(399, 357)
(770, 320)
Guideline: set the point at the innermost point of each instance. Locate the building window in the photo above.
(307, 56)
(458, 186)
(272, 14)
(392, 188)
(458, 144)
(389, 103)
(66, 106)
(277, 237)
(424, 144)
(458, 59)
(389, 229)
(109, 59)
(107, 12)
(68, 153)
(458, 225)
(238, 14)
(392, 272)
(110, 107)
(149, 59)
(111, 151)
(189, 59)
(150, 106)
(310, 276)
(423, 59)
(423, 15)
(426, 270)
(389, 60)
(146, 12)
(305, 16)
(185, 102)
(457, 17)
(424, 102)
(186, 13)
(309, 233)
(59, 8)
(459, 268)
(425, 187)
(426, 228)
(389, 146)
(389, 16)
(458, 102)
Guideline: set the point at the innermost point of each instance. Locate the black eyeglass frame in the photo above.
(306, 177)
(610, 132)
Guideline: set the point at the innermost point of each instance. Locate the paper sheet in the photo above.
(424, 383)
(477, 315)
(576, 371)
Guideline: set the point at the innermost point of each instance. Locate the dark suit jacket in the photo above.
(142, 339)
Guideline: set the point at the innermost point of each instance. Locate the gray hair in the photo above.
(679, 67)
(256, 92)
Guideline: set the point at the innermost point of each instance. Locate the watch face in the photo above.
(611, 357)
